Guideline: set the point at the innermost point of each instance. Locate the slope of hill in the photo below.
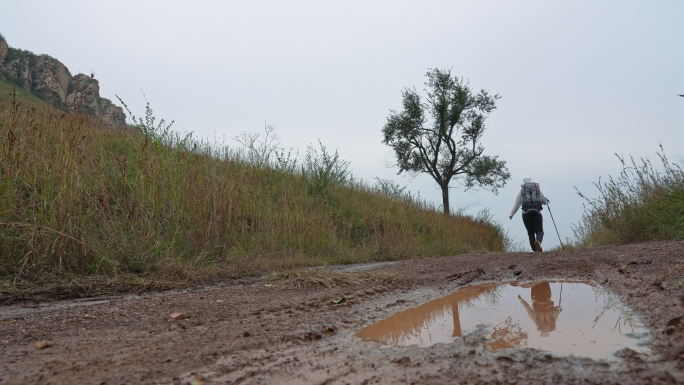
(79, 198)
(10, 92)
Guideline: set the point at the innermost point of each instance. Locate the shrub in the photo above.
(259, 150)
(325, 169)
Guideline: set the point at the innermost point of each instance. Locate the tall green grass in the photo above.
(644, 203)
(79, 197)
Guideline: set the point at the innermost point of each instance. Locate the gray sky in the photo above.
(579, 80)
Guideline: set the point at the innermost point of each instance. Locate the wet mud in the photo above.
(258, 334)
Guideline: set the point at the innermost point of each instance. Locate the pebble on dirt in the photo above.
(43, 344)
(178, 316)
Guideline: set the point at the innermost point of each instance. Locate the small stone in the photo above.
(198, 380)
(178, 316)
(402, 361)
(43, 344)
(482, 362)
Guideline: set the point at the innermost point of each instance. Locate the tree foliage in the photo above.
(440, 135)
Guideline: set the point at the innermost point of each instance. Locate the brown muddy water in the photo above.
(563, 318)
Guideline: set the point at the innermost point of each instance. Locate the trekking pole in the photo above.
(554, 225)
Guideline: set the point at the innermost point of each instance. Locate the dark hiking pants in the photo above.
(534, 224)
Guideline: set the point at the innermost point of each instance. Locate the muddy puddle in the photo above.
(564, 318)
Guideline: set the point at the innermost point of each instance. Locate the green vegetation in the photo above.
(449, 147)
(642, 204)
(144, 202)
(16, 53)
(25, 98)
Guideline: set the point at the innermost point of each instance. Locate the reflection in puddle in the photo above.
(563, 318)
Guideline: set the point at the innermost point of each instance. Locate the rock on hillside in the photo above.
(3, 54)
(50, 80)
(85, 98)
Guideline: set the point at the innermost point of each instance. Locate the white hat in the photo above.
(527, 180)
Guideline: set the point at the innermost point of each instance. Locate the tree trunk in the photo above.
(457, 319)
(445, 199)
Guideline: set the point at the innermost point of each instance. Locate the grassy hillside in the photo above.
(77, 197)
(25, 98)
(644, 203)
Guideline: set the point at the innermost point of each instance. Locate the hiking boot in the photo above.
(537, 246)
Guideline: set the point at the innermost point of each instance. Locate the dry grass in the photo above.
(670, 272)
(330, 279)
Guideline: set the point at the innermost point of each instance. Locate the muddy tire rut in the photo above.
(259, 333)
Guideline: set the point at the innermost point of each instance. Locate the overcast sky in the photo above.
(579, 80)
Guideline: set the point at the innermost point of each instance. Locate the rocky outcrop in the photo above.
(50, 80)
(85, 98)
(3, 54)
(112, 113)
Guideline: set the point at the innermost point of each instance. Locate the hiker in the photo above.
(542, 312)
(531, 199)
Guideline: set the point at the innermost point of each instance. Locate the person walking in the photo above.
(542, 312)
(531, 199)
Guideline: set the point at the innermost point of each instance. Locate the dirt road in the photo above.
(258, 334)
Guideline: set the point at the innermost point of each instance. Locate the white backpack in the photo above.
(531, 197)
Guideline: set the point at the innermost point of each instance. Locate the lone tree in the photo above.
(441, 135)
